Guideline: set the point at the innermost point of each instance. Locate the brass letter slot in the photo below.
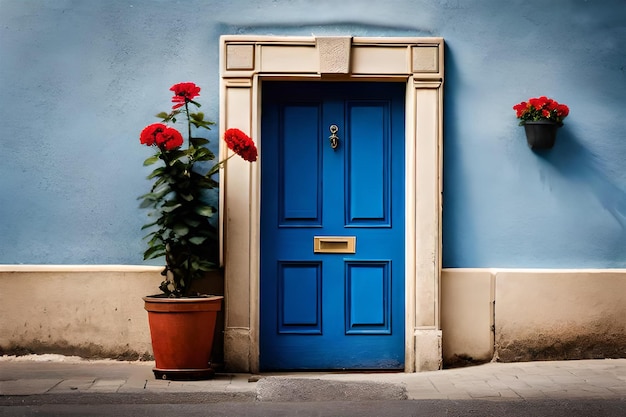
(334, 244)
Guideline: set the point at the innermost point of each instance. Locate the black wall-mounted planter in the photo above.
(541, 134)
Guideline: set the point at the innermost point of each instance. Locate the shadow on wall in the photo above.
(576, 163)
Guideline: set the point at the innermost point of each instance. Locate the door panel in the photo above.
(367, 291)
(368, 151)
(335, 308)
(299, 153)
(299, 297)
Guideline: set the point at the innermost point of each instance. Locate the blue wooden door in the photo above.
(332, 226)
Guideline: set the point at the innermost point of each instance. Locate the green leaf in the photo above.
(181, 229)
(159, 184)
(206, 211)
(204, 154)
(168, 209)
(192, 222)
(197, 116)
(176, 155)
(207, 266)
(156, 237)
(163, 115)
(207, 183)
(147, 202)
(197, 240)
(198, 121)
(197, 142)
(156, 173)
(147, 226)
(154, 252)
(144, 196)
(151, 160)
(214, 170)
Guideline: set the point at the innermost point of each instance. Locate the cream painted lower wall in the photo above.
(535, 314)
(89, 311)
(96, 311)
(466, 315)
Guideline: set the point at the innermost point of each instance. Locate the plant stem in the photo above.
(188, 124)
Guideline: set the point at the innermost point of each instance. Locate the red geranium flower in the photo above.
(169, 139)
(183, 93)
(161, 135)
(562, 111)
(241, 144)
(520, 108)
(148, 134)
(537, 102)
(541, 108)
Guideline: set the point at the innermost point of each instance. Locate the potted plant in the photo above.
(182, 321)
(541, 117)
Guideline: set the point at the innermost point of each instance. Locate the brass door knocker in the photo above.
(334, 139)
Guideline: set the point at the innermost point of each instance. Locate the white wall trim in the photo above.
(495, 271)
(78, 268)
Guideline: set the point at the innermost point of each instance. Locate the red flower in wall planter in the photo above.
(541, 118)
(182, 321)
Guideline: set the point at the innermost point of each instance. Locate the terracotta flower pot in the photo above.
(541, 134)
(182, 332)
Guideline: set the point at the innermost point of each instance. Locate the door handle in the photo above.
(333, 138)
(334, 244)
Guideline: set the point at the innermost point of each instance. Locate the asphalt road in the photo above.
(430, 408)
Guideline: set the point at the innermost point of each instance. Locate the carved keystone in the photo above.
(334, 54)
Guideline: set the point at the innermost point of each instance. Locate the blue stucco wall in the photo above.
(79, 80)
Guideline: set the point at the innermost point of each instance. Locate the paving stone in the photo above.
(539, 381)
(107, 385)
(602, 381)
(419, 393)
(73, 385)
(509, 394)
(529, 393)
(588, 379)
(566, 379)
(443, 385)
(307, 389)
(483, 393)
(28, 386)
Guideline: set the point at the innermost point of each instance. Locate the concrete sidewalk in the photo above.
(46, 377)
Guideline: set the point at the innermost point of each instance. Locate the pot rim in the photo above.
(542, 122)
(160, 298)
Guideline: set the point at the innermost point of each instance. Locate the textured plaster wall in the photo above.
(532, 314)
(88, 311)
(560, 315)
(79, 79)
(467, 309)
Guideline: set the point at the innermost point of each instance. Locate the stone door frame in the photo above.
(247, 60)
